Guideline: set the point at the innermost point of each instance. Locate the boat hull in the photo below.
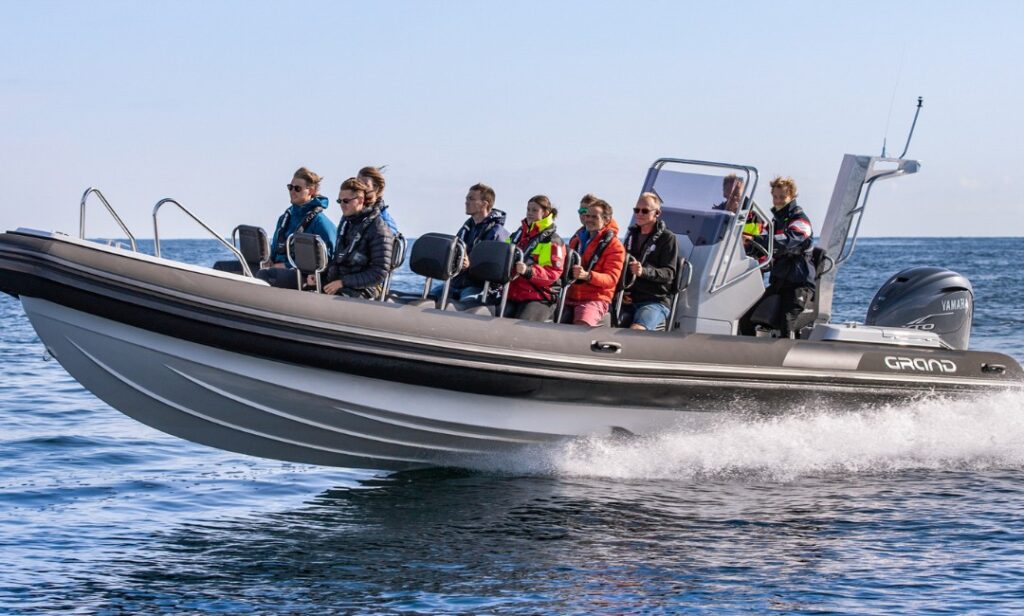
(275, 410)
(227, 362)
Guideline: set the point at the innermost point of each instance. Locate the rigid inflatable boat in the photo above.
(224, 360)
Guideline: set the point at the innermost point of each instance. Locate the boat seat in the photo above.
(492, 262)
(684, 273)
(572, 258)
(435, 256)
(398, 246)
(626, 280)
(307, 253)
(253, 243)
(822, 265)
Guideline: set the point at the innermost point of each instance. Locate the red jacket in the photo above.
(544, 264)
(605, 273)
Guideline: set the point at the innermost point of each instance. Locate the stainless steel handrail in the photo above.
(156, 233)
(851, 239)
(110, 209)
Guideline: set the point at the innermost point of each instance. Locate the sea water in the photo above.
(899, 509)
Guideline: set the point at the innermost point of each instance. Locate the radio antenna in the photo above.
(920, 101)
(892, 99)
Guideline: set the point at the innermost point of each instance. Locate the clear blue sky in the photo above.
(216, 104)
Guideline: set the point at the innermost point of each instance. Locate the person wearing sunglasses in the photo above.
(581, 234)
(374, 178)
(601, 258)
(304, 215)
(653, 252)
(362, 251)
(534, 289)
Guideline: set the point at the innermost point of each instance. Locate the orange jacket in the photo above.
(605, 273)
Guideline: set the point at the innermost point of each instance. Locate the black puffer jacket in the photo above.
(658, 258)
(362, 252)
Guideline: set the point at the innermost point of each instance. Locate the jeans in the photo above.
(648, 314)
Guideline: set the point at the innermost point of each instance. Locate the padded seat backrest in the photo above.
(572, 258)
(434, 256)
(398, 245)
(626, 279)
(307, 252)
(492, 261)
(253, 243)
(679, 284)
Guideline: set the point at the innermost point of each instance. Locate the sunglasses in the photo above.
(294, 188)
(346, 201)
(582, 210)
(644, 210)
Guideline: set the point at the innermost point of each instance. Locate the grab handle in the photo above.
(600, 346)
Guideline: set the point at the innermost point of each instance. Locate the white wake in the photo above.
(986, 432)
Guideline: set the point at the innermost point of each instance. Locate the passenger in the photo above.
(484, 223)
(534, 290)
(791, 281)
(732, 192)
(362, 254)
(653, 251)
(581, 233)
(305, 215)
(602, 256)
(372, 177)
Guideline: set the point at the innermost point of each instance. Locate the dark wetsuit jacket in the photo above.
(658, 254)
(362, 252)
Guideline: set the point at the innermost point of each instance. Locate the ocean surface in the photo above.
(915, 509)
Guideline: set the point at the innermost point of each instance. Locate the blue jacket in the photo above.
(386, 216)
(292, 219)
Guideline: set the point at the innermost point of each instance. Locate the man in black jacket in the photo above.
(653, 252)
(362, 251)
(791, 281)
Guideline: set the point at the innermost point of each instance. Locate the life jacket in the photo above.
(281, 240)
(531, 254)
(470, 233)
(606, 238)
(599, 252)
(545, 250)
(352, 254)
(650, 245)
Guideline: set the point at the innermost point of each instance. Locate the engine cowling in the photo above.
(930, 299)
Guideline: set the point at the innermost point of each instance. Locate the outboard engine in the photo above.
(931, 299)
